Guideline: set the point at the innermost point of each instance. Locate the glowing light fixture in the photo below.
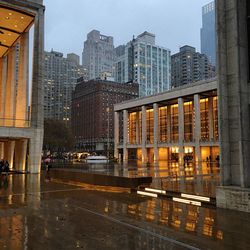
(155, 190)
(196, 203)
(147, 194)
(195, 197)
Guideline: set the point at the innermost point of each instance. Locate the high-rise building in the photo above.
(190, 66)
(98, 54)
(59, 81)
(208, 33)
(92, 112)
(144, 63)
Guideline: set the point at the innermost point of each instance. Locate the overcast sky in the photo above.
(174, 22)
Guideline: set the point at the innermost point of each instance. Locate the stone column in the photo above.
(156, 132)
(144, 131)
(38, 75)
(37, 114)
(3, 82)
(23, 84)
(9, 147)
(125, 136)
(116, 134)
(197, 134)
(35, 152)
(10, 91)
(233, 92)
(210, 118)
(181, 134)
(20, 154)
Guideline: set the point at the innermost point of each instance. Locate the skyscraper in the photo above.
(208, 33)
(146, 64)
(59, 81)
(190, 66)
(98, 54)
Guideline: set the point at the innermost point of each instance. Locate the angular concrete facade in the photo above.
(21, 117)
(234, 103)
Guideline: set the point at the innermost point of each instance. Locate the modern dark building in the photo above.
(189, 66)
(208, 33)
(93, 115)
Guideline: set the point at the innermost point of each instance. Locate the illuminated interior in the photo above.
(12, 25)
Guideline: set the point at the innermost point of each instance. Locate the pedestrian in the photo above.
(47, 163)
(1, 165)
(6, 166)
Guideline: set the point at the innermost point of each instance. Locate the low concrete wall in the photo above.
(99, 179)
(231, 197)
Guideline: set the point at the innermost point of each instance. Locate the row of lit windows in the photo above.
(168, 123)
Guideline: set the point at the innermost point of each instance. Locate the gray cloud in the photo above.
(174, 22)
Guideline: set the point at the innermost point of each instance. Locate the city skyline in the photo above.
(170, 23)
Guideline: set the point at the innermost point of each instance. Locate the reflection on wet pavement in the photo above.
(163, 176)
(35, 214)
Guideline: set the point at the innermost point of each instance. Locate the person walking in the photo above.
(47, 163)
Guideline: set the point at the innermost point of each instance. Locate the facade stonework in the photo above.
(92, 112)
(21, 119)
(234, 102)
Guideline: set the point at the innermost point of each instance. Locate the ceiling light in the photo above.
(22, 17)
(7, 17)
(10, 14)
(15, 26)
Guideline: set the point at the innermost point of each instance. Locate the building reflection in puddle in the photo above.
(17, 194)
(181, 217)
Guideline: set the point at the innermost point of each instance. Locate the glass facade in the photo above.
(181, 157)
(149, 66)
(215, 118)
(188, 121)
(174, 123)
(150, 126)
(163, 124)
(132, 122)
(204, 119)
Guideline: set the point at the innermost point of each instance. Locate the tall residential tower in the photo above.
(98, 54)
(146, 64)
(190, 66)
(59, 82)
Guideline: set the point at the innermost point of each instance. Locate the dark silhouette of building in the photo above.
(92, 113)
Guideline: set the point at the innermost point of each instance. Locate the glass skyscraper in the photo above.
(208, 33)
(146, 64)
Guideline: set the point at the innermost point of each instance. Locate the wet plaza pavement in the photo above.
(163, 177)
(40, 214)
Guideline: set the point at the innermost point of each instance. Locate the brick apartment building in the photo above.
(92, 113)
